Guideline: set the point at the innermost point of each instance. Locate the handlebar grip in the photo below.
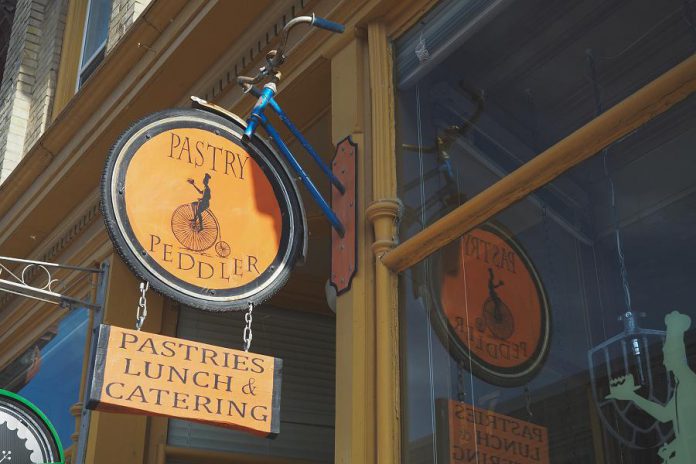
(328, 25)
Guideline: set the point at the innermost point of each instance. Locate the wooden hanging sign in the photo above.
(145, 373)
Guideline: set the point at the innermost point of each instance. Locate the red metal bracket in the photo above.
(344, 261)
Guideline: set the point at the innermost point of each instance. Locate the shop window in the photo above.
(48, 373)
(96, 33)
(306, 344)
(563, 329)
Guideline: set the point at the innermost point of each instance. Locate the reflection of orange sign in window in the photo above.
(494, 306)
(479, 435)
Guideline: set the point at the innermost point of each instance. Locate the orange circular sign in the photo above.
(210, 221)
(493, 306)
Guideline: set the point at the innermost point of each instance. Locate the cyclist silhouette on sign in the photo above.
(195, 226)
(492, 285)
(203, 203)
(496, 315)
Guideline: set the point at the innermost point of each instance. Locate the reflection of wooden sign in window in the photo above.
(139, 372)
(471, 434)
(207, 219)
(492, 307)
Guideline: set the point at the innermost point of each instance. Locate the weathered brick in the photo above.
(123, 15)
(28, 83)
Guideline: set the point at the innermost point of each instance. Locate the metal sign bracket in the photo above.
(21, 281)
(344, 261)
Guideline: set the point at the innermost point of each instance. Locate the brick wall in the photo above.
(52, 30)
(123, 14)
(18, 82)
(7, 8)
(28, 82)
(31, 70)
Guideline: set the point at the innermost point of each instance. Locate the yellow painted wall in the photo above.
(182, 40)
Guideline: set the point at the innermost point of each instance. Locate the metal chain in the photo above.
(248, 317)
(528, 401)
(141, 311)
(461, 381)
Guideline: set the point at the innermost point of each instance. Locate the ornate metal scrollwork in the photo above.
(27, 274)
(22, 281)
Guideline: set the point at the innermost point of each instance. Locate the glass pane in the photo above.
(536, 323)
(561, 331)
(89, 69)
(96, 29)
(483, 88)
(48, 374)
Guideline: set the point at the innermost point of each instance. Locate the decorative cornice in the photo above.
(59, 244)
(248, 58)
(73, 232)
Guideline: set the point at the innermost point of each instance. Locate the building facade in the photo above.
(525, 224)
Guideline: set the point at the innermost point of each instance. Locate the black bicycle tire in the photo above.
(297, 239)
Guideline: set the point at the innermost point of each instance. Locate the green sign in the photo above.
(26, 434)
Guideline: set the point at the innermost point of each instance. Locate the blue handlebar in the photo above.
(265, 96)
(328, 25)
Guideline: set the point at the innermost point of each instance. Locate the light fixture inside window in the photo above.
(628, 354)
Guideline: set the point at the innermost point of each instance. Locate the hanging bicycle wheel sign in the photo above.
(491, 307)
(201, 207)
(210, 221)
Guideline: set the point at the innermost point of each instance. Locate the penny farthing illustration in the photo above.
(195, 226)
(496, 314)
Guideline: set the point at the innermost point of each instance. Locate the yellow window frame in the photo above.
(70, 55)
(628, 115)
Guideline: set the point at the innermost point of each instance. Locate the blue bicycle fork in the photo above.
(265, 97)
